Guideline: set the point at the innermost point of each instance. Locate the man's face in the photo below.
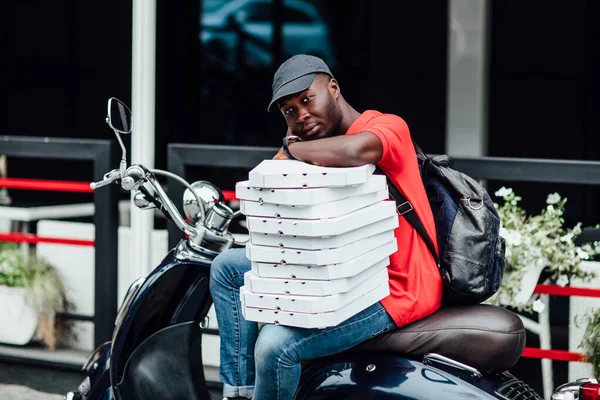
(313, 113)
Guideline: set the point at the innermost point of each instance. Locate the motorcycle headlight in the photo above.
(204, 191)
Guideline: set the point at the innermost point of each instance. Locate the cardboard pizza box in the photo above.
(297, 174)
(307, 196)
(306, 287)
(316, 257)
(311, 304)
(379, 255)
(317, 320)
(324, 210)
(323, 227)
(329, 242)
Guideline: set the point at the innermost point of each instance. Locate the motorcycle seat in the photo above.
(488, 338)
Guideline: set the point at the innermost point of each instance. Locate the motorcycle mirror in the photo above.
(119, 116)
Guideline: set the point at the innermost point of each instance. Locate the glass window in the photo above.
(259, 12)
(296, 16)
(389, 57)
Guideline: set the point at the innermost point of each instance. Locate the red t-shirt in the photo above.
(415, 282)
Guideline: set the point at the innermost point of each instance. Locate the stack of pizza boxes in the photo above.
(320, 241)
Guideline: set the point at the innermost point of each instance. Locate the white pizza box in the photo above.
(316, 257)
(323, 227)
(324, 210)
(379, 255)
(318, 320)
(307, 287)
(312, 304)
(292, 174)
(307, 196)
(315, 243)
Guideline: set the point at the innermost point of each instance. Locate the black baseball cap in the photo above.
(295, 75)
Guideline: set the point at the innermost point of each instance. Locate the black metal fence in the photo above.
(102, 154)
(182, 157)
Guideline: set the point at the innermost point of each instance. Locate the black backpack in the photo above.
(471, 259)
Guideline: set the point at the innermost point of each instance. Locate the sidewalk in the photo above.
(27, 382)
(15, 392)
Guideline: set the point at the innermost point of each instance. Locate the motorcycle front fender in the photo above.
(382, 376)
(96, 385)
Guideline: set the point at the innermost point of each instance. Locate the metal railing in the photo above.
(102, 154)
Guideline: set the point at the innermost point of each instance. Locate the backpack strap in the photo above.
(405, 209)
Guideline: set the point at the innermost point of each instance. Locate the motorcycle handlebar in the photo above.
(137, 175)
(170, 209)
(108, 179)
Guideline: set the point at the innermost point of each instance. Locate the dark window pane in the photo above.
(259, 12)
(388, 56)
(296, 16)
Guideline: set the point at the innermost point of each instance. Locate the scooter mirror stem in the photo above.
(123, 164)
(122, 167)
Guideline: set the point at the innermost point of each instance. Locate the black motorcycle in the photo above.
(155, 352)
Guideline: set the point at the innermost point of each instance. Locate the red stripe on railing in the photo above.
(229, 195)
(34, 239)
(558, 355)
(45, 184)
(566, 291)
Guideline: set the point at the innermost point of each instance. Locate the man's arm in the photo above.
(340, 151)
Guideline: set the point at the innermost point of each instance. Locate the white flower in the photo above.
(582, 254)
(538, 306)
(562, 281)
(503, 192)
(553, 198)
(568, 237)
(513, 238)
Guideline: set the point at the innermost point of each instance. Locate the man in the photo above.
(324, 129)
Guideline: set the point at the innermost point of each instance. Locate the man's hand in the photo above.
(280, 154)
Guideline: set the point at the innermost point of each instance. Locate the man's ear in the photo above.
(334, 88)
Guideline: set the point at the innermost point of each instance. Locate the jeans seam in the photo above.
(389, 327)
(237, 329)
(232, 277)
(237, 339)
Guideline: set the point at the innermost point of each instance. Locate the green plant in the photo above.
(11, 272)
(590, 343)
(46, 292)
(535, 239)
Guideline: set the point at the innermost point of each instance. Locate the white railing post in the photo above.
(143, 78)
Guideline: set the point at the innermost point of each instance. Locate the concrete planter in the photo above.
(18, 319)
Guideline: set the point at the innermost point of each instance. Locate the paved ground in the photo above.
(26, 382)
(24, 393)
(37, 378)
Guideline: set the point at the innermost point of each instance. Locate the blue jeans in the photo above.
(266, 366)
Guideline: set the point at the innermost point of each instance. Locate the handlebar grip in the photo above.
(96, 185)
